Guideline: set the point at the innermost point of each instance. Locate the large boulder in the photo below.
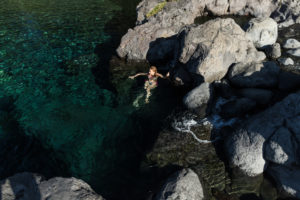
(28, 186)
(237, 107)
(260, 96)
(211, 48)
(183, 185)
(262, 31)
(252, 75)
(245, 147)
(162, 19)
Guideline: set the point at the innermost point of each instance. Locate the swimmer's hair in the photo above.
(153, 68)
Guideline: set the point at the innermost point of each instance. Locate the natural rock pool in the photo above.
(64, 111)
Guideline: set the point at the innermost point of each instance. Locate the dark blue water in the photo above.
(66, 106)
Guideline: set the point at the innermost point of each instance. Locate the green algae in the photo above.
(156, 9)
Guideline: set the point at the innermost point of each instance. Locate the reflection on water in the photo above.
(55, 86)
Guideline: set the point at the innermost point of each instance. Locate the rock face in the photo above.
(261, 75)
(162, 19)
(28, 186)
(262, 31)
(245, 148)
(209, 49)
(183, 185)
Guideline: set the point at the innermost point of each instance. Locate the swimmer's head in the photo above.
(152, 70)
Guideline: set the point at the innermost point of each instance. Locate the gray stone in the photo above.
(28, 186)
(260, 96)
(286, 61)
(291, 44)
(244, 149)
(279, 148)
(174, 15)
(211, 48)
(198, 97)
(294, 52)
(274, 51)
(262, 31)
(263, 75)
(183, 185)
(287, 179)
(237, 107)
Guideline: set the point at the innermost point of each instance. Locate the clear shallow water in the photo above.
(63, 110)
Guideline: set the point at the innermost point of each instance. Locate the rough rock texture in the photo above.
(237, 107)
(28, 186)
(262, 31)
(279, 148)
(183, 185)
(199, 97)
(291, 44)
(260, 96)
(262, 75)
(245, 148)
(287, 179)
(286, 61)
(166, 22)
(287, 13)
(211, 48)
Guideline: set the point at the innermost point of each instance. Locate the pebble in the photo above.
(286, 61)
(291, 44)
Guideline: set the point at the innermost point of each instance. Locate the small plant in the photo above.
(156, 9)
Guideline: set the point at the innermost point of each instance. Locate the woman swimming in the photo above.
(151, 83)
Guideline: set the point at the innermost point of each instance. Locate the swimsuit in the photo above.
(152, 80)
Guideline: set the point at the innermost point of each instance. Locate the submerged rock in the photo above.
(30, 186)
(251, 75)
(183, 185)
(180, 148)
(262, 31)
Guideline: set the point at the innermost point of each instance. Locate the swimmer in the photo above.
(151, 83)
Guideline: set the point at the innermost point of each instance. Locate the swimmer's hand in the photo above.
(131, 77)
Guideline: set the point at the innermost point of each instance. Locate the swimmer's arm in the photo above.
(160, 75)
(138, 74)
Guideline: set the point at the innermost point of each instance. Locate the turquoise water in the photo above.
(64, 110)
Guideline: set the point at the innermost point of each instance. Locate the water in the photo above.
(64, 111)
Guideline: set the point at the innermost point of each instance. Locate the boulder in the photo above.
(244, 148)
(279, 148)
(294, 52)
(211, 48)
(199, 98)
(260, 96)
(291, 44)
(262, 75)
(286, 61)
(183, 185)
(28, 186)
(262, 31)
(157, 19)
(237, 107)
(287, 179)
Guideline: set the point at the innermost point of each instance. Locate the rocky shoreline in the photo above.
(239, 138)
